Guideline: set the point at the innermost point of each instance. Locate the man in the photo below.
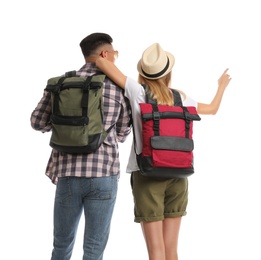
(87, 182)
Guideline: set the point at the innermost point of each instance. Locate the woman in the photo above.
(159, 204)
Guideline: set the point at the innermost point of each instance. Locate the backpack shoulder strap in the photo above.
(148, 99)
(177, 98)
(56, 82)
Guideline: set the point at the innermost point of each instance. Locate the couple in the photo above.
(89, 182)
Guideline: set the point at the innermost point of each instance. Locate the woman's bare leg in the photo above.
(161, 238)
(171, 227)
(153, 235)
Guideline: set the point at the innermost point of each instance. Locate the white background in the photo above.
(40, 39)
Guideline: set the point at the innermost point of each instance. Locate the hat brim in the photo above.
(171, 64)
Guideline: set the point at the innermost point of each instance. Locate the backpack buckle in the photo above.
(56, 89)
(156, 115)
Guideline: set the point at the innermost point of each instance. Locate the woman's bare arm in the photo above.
(119, 78)
(212, 108)
(111, 71)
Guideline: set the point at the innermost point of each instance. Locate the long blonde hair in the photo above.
(158, 89)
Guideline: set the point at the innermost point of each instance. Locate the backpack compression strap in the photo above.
(85, 96)
(156, 114)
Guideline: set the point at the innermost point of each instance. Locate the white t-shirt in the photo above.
(136, 94)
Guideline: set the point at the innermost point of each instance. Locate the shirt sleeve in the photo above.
(123, 125)
(40, 117)
(134, 91)
(189, 102)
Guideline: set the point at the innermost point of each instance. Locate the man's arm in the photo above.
(40, 117)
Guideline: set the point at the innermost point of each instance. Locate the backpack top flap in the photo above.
(61, 82)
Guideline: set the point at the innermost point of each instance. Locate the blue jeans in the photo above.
(96, 197)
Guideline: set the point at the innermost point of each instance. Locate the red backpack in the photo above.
(168, 145)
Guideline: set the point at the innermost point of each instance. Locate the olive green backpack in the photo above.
(77, 113)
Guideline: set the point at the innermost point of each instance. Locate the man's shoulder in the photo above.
(112, 88)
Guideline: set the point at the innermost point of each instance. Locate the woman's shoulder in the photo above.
(132, 84)
(187, 100)
(133, 89)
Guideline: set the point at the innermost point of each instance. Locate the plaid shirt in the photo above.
(105, 161)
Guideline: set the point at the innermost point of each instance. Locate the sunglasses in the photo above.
(115, 54)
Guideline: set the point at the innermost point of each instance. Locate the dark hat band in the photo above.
(157, 74)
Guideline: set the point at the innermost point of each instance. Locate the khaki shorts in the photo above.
(156, 199)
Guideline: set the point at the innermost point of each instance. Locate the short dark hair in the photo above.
(93, 41)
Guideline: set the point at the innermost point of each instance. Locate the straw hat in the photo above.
(155, 62)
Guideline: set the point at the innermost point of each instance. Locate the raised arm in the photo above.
(111, 71)
(212, 108)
